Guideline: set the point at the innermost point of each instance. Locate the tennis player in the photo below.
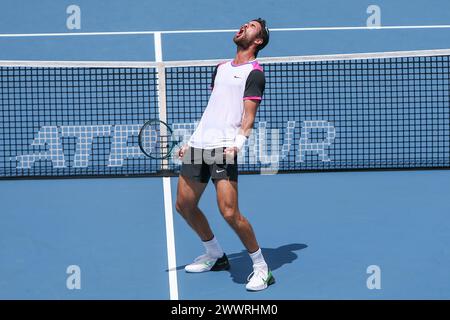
(211, 153)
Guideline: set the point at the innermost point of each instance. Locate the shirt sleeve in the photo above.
(255, 85)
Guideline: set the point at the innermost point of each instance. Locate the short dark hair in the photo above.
(263, 34)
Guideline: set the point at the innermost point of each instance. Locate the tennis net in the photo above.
(319, 113)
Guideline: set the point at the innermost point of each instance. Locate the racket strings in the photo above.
(155, 141)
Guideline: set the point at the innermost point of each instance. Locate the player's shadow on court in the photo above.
(241, 264)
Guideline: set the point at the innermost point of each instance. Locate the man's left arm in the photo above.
(248, 120)
(254, 89)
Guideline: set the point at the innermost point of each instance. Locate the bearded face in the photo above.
(247, 34)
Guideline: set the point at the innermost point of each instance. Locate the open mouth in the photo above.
(240, 32)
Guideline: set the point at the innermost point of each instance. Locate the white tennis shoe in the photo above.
(259, 279)
(206, 263)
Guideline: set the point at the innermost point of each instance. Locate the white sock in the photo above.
(258, 259)
(213, 248)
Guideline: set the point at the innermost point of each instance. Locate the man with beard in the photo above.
(237, 90)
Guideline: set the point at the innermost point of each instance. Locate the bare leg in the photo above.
(227, 199)
(188, 195)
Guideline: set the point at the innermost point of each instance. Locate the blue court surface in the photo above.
(322, 234)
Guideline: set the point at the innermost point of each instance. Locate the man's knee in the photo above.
(230, 214)
(185, 206)
(180, 205)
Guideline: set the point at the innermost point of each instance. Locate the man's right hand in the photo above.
(182, 151)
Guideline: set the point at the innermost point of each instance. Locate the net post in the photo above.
(162, 106)
(162, 112)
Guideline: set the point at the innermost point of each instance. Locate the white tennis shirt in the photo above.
(231, 85)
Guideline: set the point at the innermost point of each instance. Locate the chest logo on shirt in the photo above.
(236, 77)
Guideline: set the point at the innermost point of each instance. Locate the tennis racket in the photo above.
(156, 139)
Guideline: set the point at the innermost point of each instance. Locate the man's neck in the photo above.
(244, 56)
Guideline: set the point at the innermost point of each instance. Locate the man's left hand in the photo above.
(231, 152)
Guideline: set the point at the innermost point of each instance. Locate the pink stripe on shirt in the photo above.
(257, 66)
(252, 98)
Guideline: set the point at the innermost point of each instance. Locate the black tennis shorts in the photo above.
(201, 165)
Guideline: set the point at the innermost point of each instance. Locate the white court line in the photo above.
(118, 33)
(170, 236)
(168, 210)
